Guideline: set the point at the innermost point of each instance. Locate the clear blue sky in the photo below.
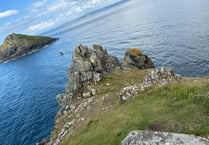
(35, 16)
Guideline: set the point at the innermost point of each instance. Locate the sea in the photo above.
(171, 33)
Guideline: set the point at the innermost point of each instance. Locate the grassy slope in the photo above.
(33, 39)
(29, 38)
(182, 107)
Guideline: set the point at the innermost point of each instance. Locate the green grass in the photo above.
(181, 108)
(33, 38)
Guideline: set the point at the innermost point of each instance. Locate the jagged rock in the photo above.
(135, 59)
(89, 66)
(162, 138)
(163, 75)
(17, 45)
(160, 76)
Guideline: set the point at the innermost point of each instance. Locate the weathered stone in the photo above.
(162, 138)
(86, 94)
(135, 59)
(81, 50)
(128, 92)
(93, 92)
(164, 75)
(89, 66)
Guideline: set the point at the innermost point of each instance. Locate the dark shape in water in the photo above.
(62, 53)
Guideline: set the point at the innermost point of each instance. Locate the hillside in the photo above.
(17, 45)
(180, 107)
(127, 99)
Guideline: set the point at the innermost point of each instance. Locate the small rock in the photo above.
(87, 94)
(67, 107)
(128, 92)
(71, 122)
(108, 84)
(142, 88)
(93, 92)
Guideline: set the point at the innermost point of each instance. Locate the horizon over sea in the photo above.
(171, 33)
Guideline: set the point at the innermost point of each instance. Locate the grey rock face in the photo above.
(88, 66)
(135, 59)
(162, 138)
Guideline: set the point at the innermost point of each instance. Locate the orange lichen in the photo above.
(135, 51)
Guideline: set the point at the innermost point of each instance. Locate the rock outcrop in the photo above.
(17, 45)
(160, 76)
(135, 59)
(163, 75)
(162, 138)
(88, 66)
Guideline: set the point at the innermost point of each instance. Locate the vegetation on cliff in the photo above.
(17, 45)
(180, 107)
(163, 102)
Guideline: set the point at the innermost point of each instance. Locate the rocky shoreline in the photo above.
(19, 45)
(91, 66)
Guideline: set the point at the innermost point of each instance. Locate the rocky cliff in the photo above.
(91, 65)
(106, 100)
(88, 66)
(17, 45)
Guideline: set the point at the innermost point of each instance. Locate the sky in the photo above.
(35, 16)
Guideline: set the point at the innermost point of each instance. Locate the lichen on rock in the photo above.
(135, 59)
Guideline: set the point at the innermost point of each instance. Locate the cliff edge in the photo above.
(17, 45)
(129, 102)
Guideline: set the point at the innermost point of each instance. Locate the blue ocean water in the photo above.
(172, 33)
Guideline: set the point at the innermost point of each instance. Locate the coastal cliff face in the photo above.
(17, 45)
(106, 101)
(89, 66)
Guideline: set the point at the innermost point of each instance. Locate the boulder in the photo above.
(135, 59)
(162, 138)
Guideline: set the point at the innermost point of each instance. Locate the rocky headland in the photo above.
(18, 45)
(90, 66)
(106, 101)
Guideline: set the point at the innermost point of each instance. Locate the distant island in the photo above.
(18, 45)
